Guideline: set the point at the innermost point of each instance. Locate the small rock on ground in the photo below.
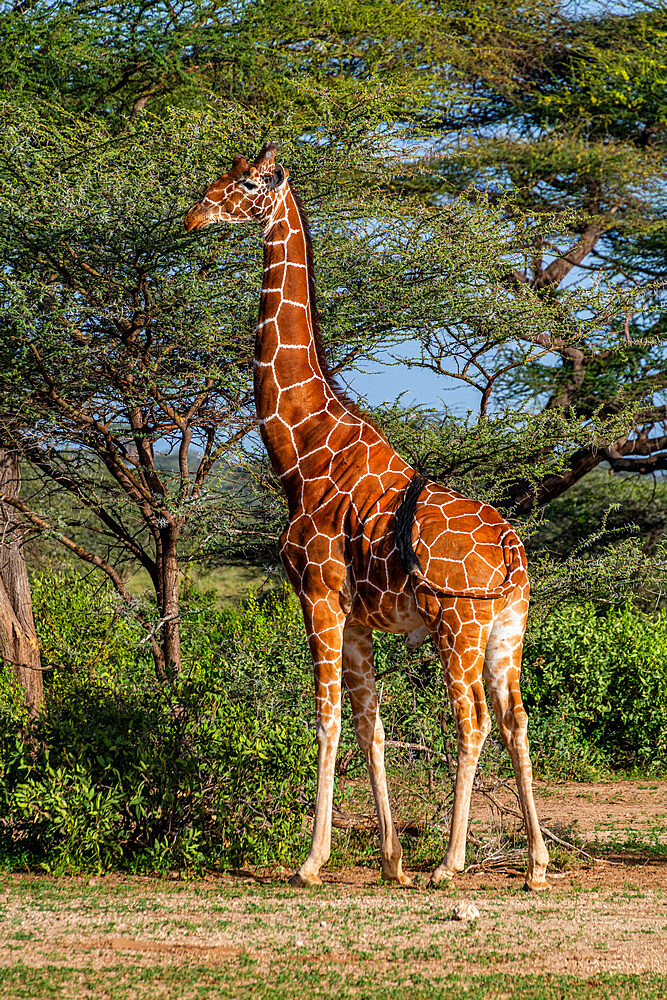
(465, 911)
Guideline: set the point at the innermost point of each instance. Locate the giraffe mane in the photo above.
(329, 377)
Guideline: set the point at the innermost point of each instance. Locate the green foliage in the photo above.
(83, 626)
(120, 770)
(615, 572)
(616, 72)
(219, 769)
(603, 677)
(75, 821)
(140, 778)
(309, 61)
(625, 504)
(483, 459)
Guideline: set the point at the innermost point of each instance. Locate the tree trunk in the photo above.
(18, 639)
(524, 496)
(168, 601)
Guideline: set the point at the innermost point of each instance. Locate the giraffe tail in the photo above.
(405, 516)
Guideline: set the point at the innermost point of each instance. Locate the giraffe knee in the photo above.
(472, 732)
(370, 735)
(473, 724)
(328, 731)
(514, 727)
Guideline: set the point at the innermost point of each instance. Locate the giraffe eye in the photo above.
(249, 185)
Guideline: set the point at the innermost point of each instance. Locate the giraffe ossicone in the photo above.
(369, 546)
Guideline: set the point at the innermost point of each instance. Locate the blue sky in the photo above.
(377, 383)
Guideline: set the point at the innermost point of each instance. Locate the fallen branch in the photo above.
(363, 821)
(545, 829)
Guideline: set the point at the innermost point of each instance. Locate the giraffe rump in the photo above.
(405, 516)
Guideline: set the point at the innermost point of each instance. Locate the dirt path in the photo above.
(617, 811)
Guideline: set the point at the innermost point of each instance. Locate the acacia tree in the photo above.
(280, 57)
(113, 352)
(565, 109)
(89, 297)
(133, 339)
(567, 112)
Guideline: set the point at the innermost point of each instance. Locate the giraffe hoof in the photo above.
(399, 878)
(299, 881)
(441, 875)
(535, 885)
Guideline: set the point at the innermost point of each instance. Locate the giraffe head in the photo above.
(247, 191)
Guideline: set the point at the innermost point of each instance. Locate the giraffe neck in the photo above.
(296, 405)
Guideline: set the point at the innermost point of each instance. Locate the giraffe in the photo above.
(372, 545)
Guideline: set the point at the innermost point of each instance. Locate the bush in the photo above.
(82, 625)
(154, 778)
(602, 678)
(121, 771)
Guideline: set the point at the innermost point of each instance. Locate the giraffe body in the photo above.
(466, 587)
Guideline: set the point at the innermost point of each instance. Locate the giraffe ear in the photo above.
(276, 178)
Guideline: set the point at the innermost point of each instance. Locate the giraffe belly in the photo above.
(387, 611)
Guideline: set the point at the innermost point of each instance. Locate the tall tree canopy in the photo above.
(486, 186)
(569, 112)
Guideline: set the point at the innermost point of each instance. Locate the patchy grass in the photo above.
(236, 980)
(598, 933)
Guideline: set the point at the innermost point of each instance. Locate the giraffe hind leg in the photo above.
(360, 682)
(460, 628)
(502, 668)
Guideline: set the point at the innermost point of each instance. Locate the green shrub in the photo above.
(82, 625)
(75, 821)
(121, 771)
(602, 677)
(150, 778)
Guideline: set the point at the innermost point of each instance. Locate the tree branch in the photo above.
(89, 557)
(561, 267)
(68, 482)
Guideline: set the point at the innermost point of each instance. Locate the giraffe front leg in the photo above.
(325, 636)
(360, 683)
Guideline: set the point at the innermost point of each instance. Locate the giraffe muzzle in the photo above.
(194, 219)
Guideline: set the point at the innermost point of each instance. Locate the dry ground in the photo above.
(599, 932)
(603, 813)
